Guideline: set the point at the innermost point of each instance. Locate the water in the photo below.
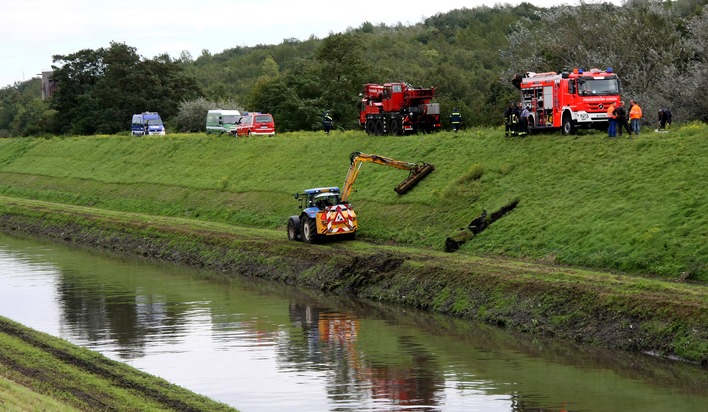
(260, 346)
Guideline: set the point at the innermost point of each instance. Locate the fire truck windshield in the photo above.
(592, 86)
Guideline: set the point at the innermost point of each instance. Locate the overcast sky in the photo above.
(32, 31)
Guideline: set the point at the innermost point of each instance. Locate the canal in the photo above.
(261, 346)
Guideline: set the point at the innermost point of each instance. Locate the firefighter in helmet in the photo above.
(327, 122)
(456, 119)
(508, 118)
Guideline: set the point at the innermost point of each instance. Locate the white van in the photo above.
(222, 121)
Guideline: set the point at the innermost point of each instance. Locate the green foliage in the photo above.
(469, 55)
(99, 90)
(192, 114)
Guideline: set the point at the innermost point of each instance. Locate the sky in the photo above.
(32, 31)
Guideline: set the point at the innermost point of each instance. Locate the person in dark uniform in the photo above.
(622, 122)
(664, 118)
(456, 119)
(524, 121)
(508, 117)
(327, 122)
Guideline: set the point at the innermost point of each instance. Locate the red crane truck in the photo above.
(569, 100)
(398, 108)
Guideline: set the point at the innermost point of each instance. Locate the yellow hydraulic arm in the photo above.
(417, 171)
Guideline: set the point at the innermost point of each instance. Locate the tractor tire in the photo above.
(370, 127)
(294, 228)
(379, 127)
(308, 230)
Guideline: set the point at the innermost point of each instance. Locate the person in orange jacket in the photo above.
(612, 119)
(635, 113)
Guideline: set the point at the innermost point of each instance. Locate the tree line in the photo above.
(658, 48)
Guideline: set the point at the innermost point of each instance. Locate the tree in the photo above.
(192, 114)
(100, 89)
(587, 36)
(343, 72)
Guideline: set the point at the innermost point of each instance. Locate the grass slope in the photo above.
(635, 204)
(41, 372)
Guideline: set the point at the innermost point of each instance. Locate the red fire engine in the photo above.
(569, 100)
(398, 108)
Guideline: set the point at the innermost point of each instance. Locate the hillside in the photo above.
(635, 205)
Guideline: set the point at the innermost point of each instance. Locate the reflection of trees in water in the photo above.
(408, 378)
(97, 313)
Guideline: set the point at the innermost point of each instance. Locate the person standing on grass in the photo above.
(635, 113)
(508, 119)
(524, 122)
(456, 119)
(612, 120)
(622, 122)
(327, 122)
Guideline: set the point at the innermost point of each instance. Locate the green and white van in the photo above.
(222, 121)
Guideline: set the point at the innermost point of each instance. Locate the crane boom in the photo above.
(417, 171)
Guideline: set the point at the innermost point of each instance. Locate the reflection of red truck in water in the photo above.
(569, 100)
(398, 108)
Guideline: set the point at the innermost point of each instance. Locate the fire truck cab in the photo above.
(569, 100)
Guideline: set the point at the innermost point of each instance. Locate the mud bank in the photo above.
(607, 310)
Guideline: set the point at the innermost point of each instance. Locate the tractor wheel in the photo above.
(379, 127)
(308, 230)
(394, 127)
(294, 228)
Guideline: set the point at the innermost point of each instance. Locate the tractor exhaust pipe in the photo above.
(414, 177)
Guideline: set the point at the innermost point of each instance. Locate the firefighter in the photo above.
(327, 122)
(635, 113)
(612, 120)
(508, 117)
(515, 118)
(456, 119)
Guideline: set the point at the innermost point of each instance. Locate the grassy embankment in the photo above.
(635, 205)
(41, 372)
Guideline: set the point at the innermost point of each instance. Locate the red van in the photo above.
(252, 124)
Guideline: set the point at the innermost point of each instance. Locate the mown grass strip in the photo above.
(61, 376)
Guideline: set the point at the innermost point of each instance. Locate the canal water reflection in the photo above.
(260, 346)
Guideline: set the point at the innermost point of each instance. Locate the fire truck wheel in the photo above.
(394, 127)
(379, 127)
(294, 228)
(308, 229)
(568, 128)
(370, 127)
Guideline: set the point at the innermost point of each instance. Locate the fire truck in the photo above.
(398, 108)
(570, 100)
